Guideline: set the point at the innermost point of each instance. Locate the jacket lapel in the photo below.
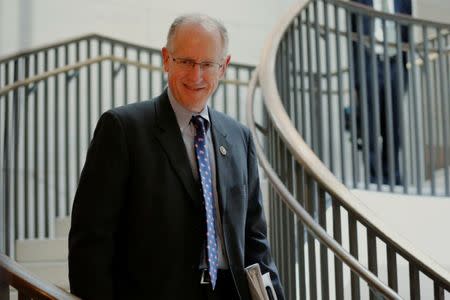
(223, 152)
(168, 133)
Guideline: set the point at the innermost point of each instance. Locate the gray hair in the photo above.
(204, 20)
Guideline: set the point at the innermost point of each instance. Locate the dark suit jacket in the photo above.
(138, 222)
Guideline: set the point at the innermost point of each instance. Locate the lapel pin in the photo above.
(222, 150)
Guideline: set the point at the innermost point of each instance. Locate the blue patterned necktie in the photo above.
(204, 170)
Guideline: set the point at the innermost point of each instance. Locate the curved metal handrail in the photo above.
(300, 212)
(13, 274)
(88, 62)
(84, 37)
(314, 166)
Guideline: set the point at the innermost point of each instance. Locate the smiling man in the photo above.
(168, 204)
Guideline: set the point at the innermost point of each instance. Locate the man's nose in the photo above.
(196, 71)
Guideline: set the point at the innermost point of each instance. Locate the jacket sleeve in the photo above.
(96, 210)
(257, 248)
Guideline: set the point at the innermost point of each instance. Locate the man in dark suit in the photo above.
(391, 6)
(140, 228)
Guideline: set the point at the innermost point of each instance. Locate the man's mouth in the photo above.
(194, 88)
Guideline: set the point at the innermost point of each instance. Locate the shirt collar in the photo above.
(184, 115)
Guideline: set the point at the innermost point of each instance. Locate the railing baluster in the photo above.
(375, 108)
(412, 59)
(353, 239)
(340, 95)
(6, 161)
(392, 267)
(390, 114)
(411, 125)
(88, 94)
(3, 226)
(36, 142)
(446, 62)
(445, 108)
(301, 194)
(429, 102)
(311, 87)
(4, 288)
(113, 77)
(351, 86)
(283, 222)
(125, 76)
(400, 94)
(291, 224)
(438, 291)
(362, 97)
(286, 70)
(48, 218)
(277, 204)
(293, 50)
(78, 118)
(150, 76)
(280, 208)
(331, 136)
(414, 282)
(322, 203)
(309, 205)
(225, 93)
(163, 79)
(15, 145)
(58, 211)
(372, 256)
(138, 76)
(238, 97)
(318, 114)
(303, 130)
(67, 133)
(337, 234)
(99, 78)
(27, 213)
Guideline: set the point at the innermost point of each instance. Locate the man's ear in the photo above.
(225, 66)
(165, 57)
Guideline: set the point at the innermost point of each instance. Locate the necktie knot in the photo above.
(200, 124)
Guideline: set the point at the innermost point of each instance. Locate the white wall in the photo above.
(28, 23)
(436, 10)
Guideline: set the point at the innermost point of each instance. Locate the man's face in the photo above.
(192, 86)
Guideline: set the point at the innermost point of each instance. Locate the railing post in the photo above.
(6, 169)
(4, 287)
(2, 191)
(2, 209)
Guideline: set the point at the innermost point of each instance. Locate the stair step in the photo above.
(41, 250)
(56, 273)
(62, 227)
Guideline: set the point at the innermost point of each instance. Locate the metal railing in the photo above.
(26, 285)
(50, 100)
(375, 111)
(311, 266)
(290, 264)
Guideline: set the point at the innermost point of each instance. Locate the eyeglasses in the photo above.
(188, 64)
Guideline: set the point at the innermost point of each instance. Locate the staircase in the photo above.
(328, 241)
(47, 258)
